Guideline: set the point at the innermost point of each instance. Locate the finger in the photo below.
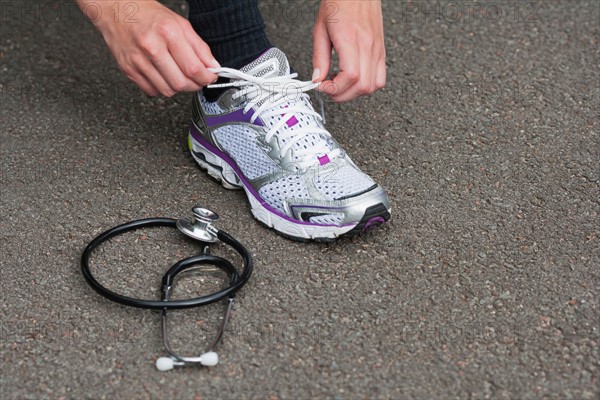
(381, 78)
(152, 75)
(366, 83)
(349, 75)
(200, 47)
(366, 80)
(329, 87)
(131, 70)
(172, 74)
(321, 53)
(189, 63)
(144, 84)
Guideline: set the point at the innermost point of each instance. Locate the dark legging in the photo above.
(233, 29)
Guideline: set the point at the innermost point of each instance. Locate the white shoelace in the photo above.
(269, 94)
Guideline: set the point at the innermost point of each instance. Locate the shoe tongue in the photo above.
(272, 62)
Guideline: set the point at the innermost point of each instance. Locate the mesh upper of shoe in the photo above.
(288, 187)
(329, 219)
(334, 182)
(240, 142)
(209, 107)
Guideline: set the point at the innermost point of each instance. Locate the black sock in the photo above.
(233, 29)
(212, 94)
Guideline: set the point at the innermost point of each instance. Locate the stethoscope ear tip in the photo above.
(165, 363)
(209, 359)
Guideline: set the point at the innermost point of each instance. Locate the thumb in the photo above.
(321, 53)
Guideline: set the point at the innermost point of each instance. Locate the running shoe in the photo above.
(261, 134)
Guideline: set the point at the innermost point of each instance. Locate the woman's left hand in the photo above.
(355, 30)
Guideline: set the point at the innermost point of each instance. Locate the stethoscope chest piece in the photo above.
(199, 227)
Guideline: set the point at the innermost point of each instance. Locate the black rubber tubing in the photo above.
(179, 266)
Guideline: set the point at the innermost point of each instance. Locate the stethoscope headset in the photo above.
(199, 227)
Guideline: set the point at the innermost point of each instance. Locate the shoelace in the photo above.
(268, 94)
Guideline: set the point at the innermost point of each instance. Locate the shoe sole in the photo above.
(222, 171)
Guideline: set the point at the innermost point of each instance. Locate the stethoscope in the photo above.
(199, 227)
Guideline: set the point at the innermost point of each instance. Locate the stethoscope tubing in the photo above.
(230, 291)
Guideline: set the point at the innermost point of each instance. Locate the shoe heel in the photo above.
(214, 165)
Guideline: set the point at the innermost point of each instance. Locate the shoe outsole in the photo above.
(220, 171)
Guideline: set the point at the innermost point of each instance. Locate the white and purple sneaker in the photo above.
(263, 135)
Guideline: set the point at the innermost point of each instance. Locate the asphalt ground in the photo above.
(483, 285)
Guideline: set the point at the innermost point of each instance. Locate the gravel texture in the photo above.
(484, 284)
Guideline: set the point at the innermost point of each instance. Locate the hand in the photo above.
(355, 30)
(156, 48)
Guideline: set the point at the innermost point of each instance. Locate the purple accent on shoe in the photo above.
(324, 159)
(373, 222)
(235, 116)
(291, 122)
(199, 138)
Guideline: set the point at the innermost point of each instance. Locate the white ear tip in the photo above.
(164, 363)
(209, 359)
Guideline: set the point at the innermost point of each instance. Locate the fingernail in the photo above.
(316, 73)
(215, 63)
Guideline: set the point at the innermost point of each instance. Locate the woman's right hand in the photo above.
(155, 47)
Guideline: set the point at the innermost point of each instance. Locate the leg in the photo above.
(233, 29)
